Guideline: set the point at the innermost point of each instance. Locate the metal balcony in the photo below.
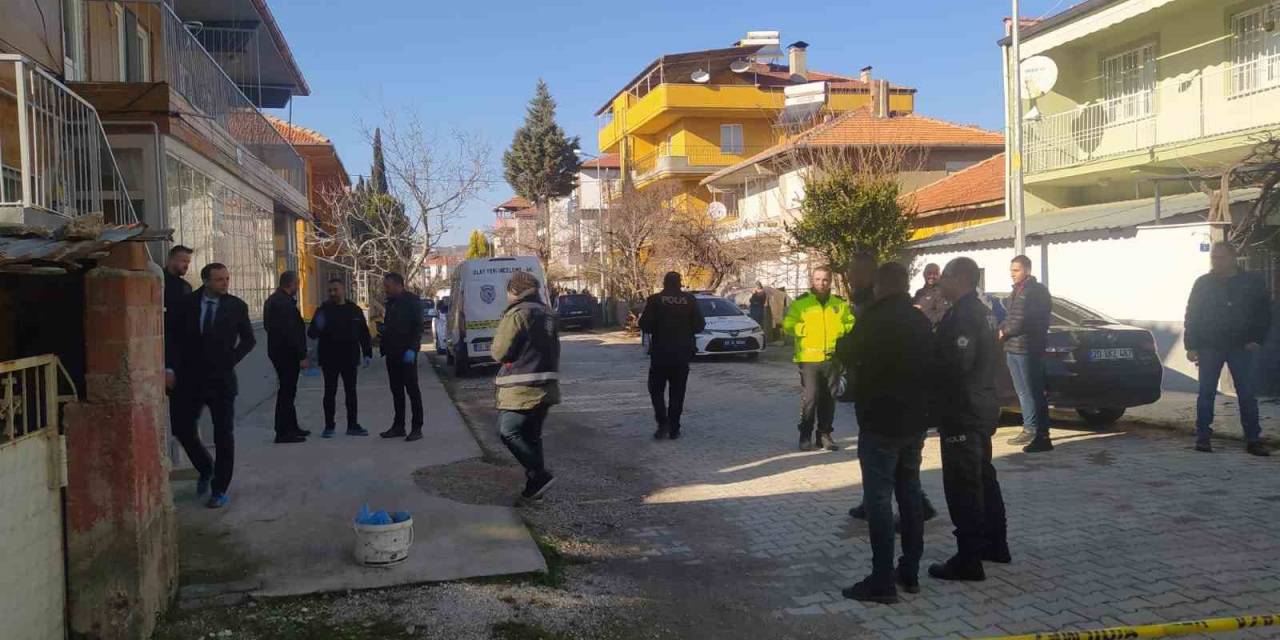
(1226, 100)
(55, 163)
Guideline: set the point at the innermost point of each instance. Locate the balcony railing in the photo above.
(194, 74)
(59, 162)
(689, 158)
(1227, 100)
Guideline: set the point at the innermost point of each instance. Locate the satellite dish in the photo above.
(700, 76)
(717, 210)
(1039, 73)
(739, 66)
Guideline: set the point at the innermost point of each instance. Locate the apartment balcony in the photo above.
(1227, 103)
(55, 163)
(690, 160)
(206, 108)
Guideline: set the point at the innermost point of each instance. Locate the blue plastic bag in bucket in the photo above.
(382, 539)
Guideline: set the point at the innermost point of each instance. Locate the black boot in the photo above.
(806, 442)
(909, 582)
(997, 552)
(956, 569)
(869, 591)
(396, 431)
(661, 432)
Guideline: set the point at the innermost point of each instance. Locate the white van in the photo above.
(479, 298)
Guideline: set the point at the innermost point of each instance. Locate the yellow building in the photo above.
(688, 115)
(1146, 89)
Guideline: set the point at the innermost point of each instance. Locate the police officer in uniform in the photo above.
(965, 361)
(673, 321)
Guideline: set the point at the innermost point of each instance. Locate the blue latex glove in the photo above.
(367, 360)
(319, 320)
(410, 357)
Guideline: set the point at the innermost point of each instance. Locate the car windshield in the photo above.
(1066, 313)
(712, 307)
(574, 301)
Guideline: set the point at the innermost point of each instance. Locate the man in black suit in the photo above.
(343, 333)
(214, 336)
(287, 349)
(176, 290)
(401, 340)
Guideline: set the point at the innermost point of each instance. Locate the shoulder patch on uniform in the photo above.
(962, 342)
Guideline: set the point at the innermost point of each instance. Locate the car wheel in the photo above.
(1100, 417)
(754, 355)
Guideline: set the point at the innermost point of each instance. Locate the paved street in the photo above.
(733, 529)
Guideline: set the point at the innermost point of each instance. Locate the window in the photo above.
(1129, 80)
(144, 54)
(1255, 50)
(122, 43)
(73, 39)
(717, 308)
(731, 139)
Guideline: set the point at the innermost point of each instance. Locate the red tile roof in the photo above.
(605, 161)
(977, 186)
(858, 128)
(516, 203)
(297, 134)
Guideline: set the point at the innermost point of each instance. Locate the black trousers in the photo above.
(973, 494)
(348, 375)
(404, 381)
(222, 408)
(660, 376)
(287, 370)
(817, 407)
(891, 469)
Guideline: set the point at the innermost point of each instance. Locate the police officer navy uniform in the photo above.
(966, 356)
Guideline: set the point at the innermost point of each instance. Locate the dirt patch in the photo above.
(474, 481)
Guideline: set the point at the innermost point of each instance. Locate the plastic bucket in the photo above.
(382, 545)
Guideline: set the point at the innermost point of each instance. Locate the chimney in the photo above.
(866, 74)
(879, 98)
(798, 59)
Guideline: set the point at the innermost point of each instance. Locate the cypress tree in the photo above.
(378, 174)
(540, 164)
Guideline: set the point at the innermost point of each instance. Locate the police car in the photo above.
(728, 330)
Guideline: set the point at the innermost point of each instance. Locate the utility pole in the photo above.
(1019, 213)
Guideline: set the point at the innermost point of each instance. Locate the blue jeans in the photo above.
(522, 433)
(1027, 372)
(1240, 361)
(891, 467)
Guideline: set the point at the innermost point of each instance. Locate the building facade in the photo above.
(687, 115)
(178, 90)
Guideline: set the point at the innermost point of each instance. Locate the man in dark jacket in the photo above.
(1228, 316)
(176, 290)
(862, 280)
(287, 349)
(889, 354)
(343, 335)
(527, 349)
(214, 336)
(964, 403)
(756, 305)
(929, 298)
(1024, 332)
(401, 340)
(672, 319)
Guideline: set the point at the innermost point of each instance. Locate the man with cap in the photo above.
(527, 349)
(671, 318)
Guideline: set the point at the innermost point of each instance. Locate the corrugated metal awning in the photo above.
(25, 249)
(1095, 217)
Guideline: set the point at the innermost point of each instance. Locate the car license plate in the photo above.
(1111, 354)
(735, 343)
(480, 347)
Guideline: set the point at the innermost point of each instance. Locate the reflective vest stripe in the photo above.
(525, 378)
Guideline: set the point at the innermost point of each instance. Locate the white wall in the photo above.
(1142, 278)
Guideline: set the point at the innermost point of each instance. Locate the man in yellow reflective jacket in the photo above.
(817, 320)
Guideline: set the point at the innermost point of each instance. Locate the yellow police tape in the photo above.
(1163, 630)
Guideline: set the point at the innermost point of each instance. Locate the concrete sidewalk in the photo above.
(1176, 410)
(289, 524)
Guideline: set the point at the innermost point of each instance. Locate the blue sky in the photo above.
(473, 65)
